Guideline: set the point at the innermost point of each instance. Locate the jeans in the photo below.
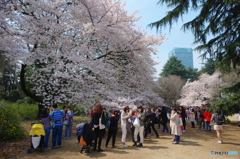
(46, 138)
(138, 137)
(177, 138)
(68, 130)
(112, 132)
(207, 125)
(57, 136)
(148, 127)
(165, 128)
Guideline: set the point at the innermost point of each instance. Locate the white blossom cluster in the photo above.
(80, 51)
(201, 91)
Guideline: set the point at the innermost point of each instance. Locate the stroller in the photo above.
(37, 134)
(85, 137)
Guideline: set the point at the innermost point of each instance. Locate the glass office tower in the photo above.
(183, 54)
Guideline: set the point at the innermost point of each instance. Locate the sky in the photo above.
(150, 12)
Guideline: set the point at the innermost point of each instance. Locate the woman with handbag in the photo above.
(124, 117)
(98, 121)
(113, 128)
(139, 128)
(175, 123)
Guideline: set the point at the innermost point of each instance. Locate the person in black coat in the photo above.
(98, 113)
(164, 119)
(150, 123)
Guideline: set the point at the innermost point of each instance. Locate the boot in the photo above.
(135, 144)
(140, 145)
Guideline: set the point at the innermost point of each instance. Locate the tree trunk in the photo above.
(28, 93)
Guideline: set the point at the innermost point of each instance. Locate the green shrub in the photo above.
(26, 111)
(10, 123)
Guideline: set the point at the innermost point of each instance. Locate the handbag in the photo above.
(136, 123)
(101, 126)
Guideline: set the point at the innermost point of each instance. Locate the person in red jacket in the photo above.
(207, 117)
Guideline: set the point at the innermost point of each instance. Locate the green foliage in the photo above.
(219, 18)
(230, 104)
(10, 123)
(13, 96)
(209, 66)
(174, 67)
(192, 74)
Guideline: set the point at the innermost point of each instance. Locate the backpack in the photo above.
(219, 119)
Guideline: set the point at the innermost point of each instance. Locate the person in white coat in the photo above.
(124, 118)
(175, 126)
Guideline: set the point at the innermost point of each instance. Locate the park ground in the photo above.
(194, 144)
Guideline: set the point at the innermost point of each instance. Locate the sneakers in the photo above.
(175, 142)
(124, 145)
(114, 147)
(184, 131)
(140, 145)
(135, 144)
(220, 142)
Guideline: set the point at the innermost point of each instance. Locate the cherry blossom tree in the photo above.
(201, 91)
(78, 50)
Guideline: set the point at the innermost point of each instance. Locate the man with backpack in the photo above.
(218, 120)
(56, 118)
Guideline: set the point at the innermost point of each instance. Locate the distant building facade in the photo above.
(183, 54)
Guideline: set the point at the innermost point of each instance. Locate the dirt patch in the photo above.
(194, 144)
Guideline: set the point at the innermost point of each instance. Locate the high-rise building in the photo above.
(183, 54)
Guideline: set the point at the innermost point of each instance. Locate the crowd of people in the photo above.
(141, 122)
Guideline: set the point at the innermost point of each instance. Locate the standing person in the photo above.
(106, 119)
(207, 117)
(68, 126)
(187, 114)
(47, 126)
(124, 117)
(132, 119)
(175, 126)
(113, 128)
(159, 109)
(192, 118)
(217, 118)
(56, 117)
(141, 116)
(184, 116)
(164, 119)
(238, 118)
(201, 117)
(150, 123)
(97, 114)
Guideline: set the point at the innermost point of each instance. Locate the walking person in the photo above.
(113, 128)
(150, 123)
(217, 119)
(124, 117)
(47, 126)
(175, 126)
(141, 116)
(57, 118)
(97, 114)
